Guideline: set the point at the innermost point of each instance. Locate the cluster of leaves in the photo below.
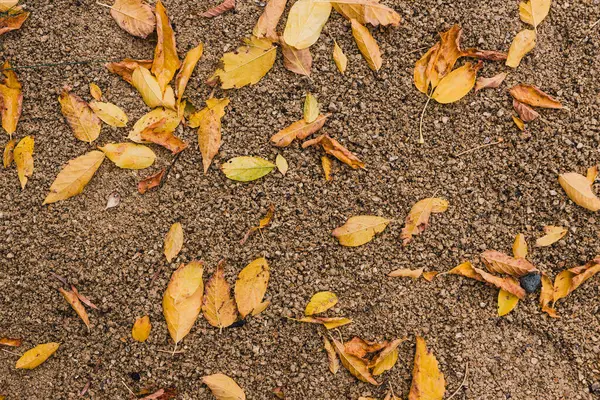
(12, 16)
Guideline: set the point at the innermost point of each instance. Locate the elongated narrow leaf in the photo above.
(327, 322)
(267, 22)
(334, 362)
(173, 241)
(11, 99)
(503, 264)
(367, 45)
(219, 308)
(340, 59)
(305, 21)
(552, 235)
(208, 121)
(251, 286)
(427, 381)
(407, 273)
(166, 62)
(522, 44)
(336, 149)
(36, 356)
(134, 16)
(493, 82)
(245, 169)
(533, 96)
(187, 68)
(219, 9)
(23, 155)
(84, 123)
(126, 67)
(74, 302)
(508, 283)
(150, 90)
(298, 130)
(360, 230)
(520, 246)
(8, 154)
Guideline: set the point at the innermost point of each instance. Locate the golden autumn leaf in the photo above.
(547, 296)
(311, 108)
(263, 223)
(533, 96)
(126, 67)
(360, 230)
(442, 61)
(522, 44)
(335, 148)
(223, 387)
(247, 65)
(334, 362)
(282, 164)
(73, 178)
(519, 247)
(320, 302)
(417, 219)
(13, 20)
(141, 329)
(171, 122)
(526, 113)
(151, 182)
(427, 382)
(340, 59)
(134, 16)
(251, 286)
(187, 68)
(466, 269)
(95, 91)
(327, 322)
(84, 123)
(579, 189)
(74, 302)
(407, 273)
(6, 5)
(8, 154)
(353, 364)
(367, 12)
(183, 299)
(157, 133)
(326, 164)
(11, 99)
(173, 241)
(208, 121)
(298, 130)
(456, 84)
(387, 358)
(245, 169)
(552, 235)
(501, 263)
(533, 12)
(570, 279)
(219, 308)
(166, 62)
(23, 156)
(493, 82)
(367, 45)
(506, 302)
(294, 60)
(129, 155)
(149, 88)
(219, 9)
(36, 356)
(519, 123)
(268, 20)
(423, 68)
(508, 283)
(305, 22)
(109, 113)
(12, 342)
(429, 275)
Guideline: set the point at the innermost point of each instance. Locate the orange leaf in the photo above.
(362, 348)
(428, 382)
(508, 283)
(267, 22)
(503, 264)
(156, 133)
(299, 129)
(13, 20)
(150, 182)
(417, 219)
(533, 96)
(353, 364)
(226, 5)
(126, 67)
(11, 99)
(5, 341)
(333, 147)
(166, 62)
(73, 300)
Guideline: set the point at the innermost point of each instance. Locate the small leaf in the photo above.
(268, 20)
(23, 155)
(335, 148)
(526, 113)
(503, 264)
(245, 169)
(547, 296)
(151, 182)
(340, 59)
(334, 362)
(282, 164)
(506, 302)
(109, 113)
(353, 364)
(95, 91)
(74, 302)
(360, 230)
(113, 200)
(298, 130)
(223, 387)
(427, 382)
(519, 246)
(429, 275)
(173, 241)
(417, 219)
(407, 273)
(171, 122)
(134, 16)
(251, 286)
(166, 62)
(84, 123)
(519, 123)
(225, 5)
(9, 154)
(328, 323)
(326, 164)
(552, 235)
(493, 82)
(466, 269)
(522, 44)
(320, 302)
(367, 45)
(533, 12)
(457, 84)
(311, 108)
(260, 308)
(208, 121)
(362, 348)
(305, 20)
(579, 189)
(533, 96)
(219, 308)
(294, 60)
(141, 329)
(129, 155)
(36, 356)
(12, 342)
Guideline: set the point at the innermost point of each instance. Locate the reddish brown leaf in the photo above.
(162, 394)
(150, 182)
(489, 55)
(155, 133)
(299, 129)
(526, 113)
(503, 264)
(226, 5)
(333, 147)
(533, 96)
(362, 348)
(492, 82)
(126, 67)
(508, 283)
(13, 20)
(10, 342)
(83, 298)
(297, 61)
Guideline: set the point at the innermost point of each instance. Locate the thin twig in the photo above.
(415, 50)
(11, 352)
(594, 24)
(170, 351)
(164, 178)
(128, 388)
(462, 383)
(421, 141)
(479, 147)
(34, 66)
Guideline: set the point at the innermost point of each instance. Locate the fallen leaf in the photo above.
(311, 108)
(11, 98)
(387, 358)
(109, 113)
(141, 329)
(526, 113)
(456, 84)
(95, 91)
(13, 20)
(74, 302)
(429, 275)
(360, 230)
(149, 88)
(251, 286)
(407, 273)
(488, 55)
(84, 123)
(579, 189)
(113, 200)
(326, 164)
(171, 122)
(23, 155)
(282, 164)
(82, 298)
(503, 264)
(506, 302)
(533, 96)
(134, 16)
(522, 44)
(162, 394)
(129, 155)
(552, 235)
(165, 61)
(466, 269)
(508, 283)
(362, 348)
(367, 45)
(353, 364)
(547, 296)
(427, 382)
(8, 155)
(335, 148)
(208, 121)
(219, 308)
(247, 65)
(327, 322)
(519, 247)
(443, 60)
(268, 20)
(340, 59)
(533, 12)
(570, 279)
(334, 362)
(305, 21)
(6, 5)
(298, 130)
(367, 12)
(519, 123)
(493, 82)
(226, 5)
(417, 219)
(12, 342)
(151, 182)
(423, 68)
(73, 178)
(126, 67)
(260, 308)
(294, 60)
(263, 223)
(320, 302)
(279, 393)
(157, 133)
(183, 299)
(173, 241)
(187, 68)
(36, 356)
(223, 387)
(245, 169)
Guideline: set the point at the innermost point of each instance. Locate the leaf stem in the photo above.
(421, 140)
(462, 383)
(479, 147)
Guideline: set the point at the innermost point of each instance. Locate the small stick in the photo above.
(130, 391)
(415, 50)
(462, 383)
(479, 147)
(170, 351)
(11, 352)
(164, 178)
(594, 24)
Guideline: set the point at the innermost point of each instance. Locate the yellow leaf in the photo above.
(305, 21)
(407, 273)
(268, 20)
(129, 155)
(245, 169)
(109, 113)
(173, 241)
(311, 108)
(248, 65)
(547, 296)
(74, 176)
(429, 275)
(95, 91)
(23, 155)
(519, 122)
(520, 246)
(353, 364)
(328, 323)
(340, 59)
(367, 12)
(34, 357)
(562, 285)
(141, 329)
(522, 44)
(466, 269)
(552, 235)
(579, 190)
(445, 57)
(387, 358)
(569, 280)
(417, 219)
(456, 84)
(421, 74)
(6, 5)
(260, 308)
(320, 302)
(171, 123)
(504, 264)
(533, 12)
(508, 283)
(592, 174)
(334, 362)
(134, 16)
(251, 286)
(428, 382)
(165, 62)
(298, 130)
(326, 164)
(219, 308)
(367, 45)
(297, 61)
(73, 300)
(360, 230)
(8, 155)
(282, 164)
(223, 387)
(182, 299)
(150, 90)
(84, 123)
(11, 97)
(184, 74)
(208, 121)
(506, 302)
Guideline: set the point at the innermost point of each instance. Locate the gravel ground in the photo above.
(494, 193)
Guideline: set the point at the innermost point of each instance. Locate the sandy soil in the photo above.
(494, 194)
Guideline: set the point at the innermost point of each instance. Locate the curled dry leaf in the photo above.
(335, 148)
(466, 269)
(427, 381)
(208, 121)
(493, 82)
(570, 279)
(297, 61)
(245, 169)
(387, 358)
(23, 155)
(279, 393)
(12, 342)
(134, 16)
(533, 12)
(506, 302)
(247, 65)
(362, 348)
(407, 273)
(367, 45)
(456, 84)
(552, 235)
(340, 59)
(353, 364)
(326, 164)
(443, 60)
(422, 71)
(305, 22)
(126, 67)
(84, 123)
(519, 247)
(360, 230)
(298, 130)
(129, 155)
(173, 241)
(533, 96)
(150, 182)
(74, 302)
(579, 189)
(113, 200)
(526, 113)
(187, 68)
(327, 322)
(166, 62)
(547, 296)
(11, 98)
(367, 12)
(219, 308)
(311, 108)
(263, 223)
(183, 299)
(95, 91)
(251, 286)
(13, 20)
(160, 134)
(522, 44)
(508, 283)
(223, 387)
(334, 362)
(519, 123)
(320, 302)
(225, 5)
(109, 113)
(74, 176)
(141, 329)
(417, 219)
(501, 263)
(282, 164)
(8, 155)
(36, 356)
(268, 20)
(489, 55)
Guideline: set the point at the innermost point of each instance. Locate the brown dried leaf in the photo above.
(12, 342)
(503, 264)
(226, 5)
(488, 55)
(493, 82)
(126, 67)
(162, 394)
(508, 283)
(297, 61)
(526, 113)
(334, 362)
(83, 298)
(407, 273)
(74, 302)
(156, 133)
(333, 147)
(267, 22)
(353, 364)
(13, 20)
(219, 307)
(533, 96)
(263, 223)
(361, 348)
(417, 219)
(150, 182)
(299, 129)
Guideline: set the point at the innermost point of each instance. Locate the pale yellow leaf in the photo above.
(129, 155)
(150, 90)
(493, 82)
(367, 45)
(305, 22)
(173, 241)
(134, 16)
(407, 273)
(457, 84)
(367, 12)
(360, 230)
(282, 164)
(219, 308)
(520, 246)
(340, 59)
(84, 123)
(552, 235)
(522, 44)
(223, 387)
(311, 108)
(23, 156)
(251, 286)
(417, 219)
(95, 91)
(245, 169)
(6, 5)
(267, 22)
(109, 113)
(334, 362)
(73, 300)
(506, 302)
(34, 357)
(387, 358)
(141, 329)
(579, 189)
(260, 308)
(320, 302)
(166, 62)
(353, 364)
(533, 12)
(187, 68)
(427, 382)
